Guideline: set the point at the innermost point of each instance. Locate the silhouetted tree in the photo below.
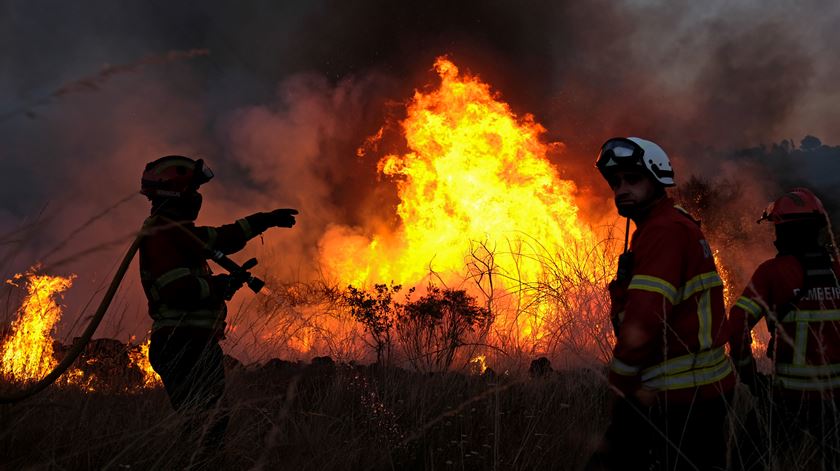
(375, 311)
(432, 328)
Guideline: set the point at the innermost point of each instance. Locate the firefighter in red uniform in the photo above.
(670, 371)
(798, 293)
(186, 300)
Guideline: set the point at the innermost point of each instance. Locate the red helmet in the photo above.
(797, 204)
(173, 176)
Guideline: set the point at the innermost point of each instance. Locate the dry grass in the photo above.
(295, 416)
(299, 416)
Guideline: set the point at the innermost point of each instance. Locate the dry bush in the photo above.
(433, 328)
(290, 415)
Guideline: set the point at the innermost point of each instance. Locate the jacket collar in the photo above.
(655, 210)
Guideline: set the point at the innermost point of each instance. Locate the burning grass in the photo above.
(486, 413)
(504, 269)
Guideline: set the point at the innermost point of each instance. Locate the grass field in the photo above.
(323, 416)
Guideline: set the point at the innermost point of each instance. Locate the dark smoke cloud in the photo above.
(290, 90)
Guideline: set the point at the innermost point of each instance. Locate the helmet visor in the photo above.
(619, 152)
(203, 174)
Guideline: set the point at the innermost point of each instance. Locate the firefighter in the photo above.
(671, 376)
(186, 300)
(798, 293)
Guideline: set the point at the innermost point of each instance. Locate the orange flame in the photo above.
(27, 354)
(729, 296)
(139, 358)
(478, 199)
(478, 365)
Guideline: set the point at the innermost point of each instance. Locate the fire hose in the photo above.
(254, 283)
(79, 345)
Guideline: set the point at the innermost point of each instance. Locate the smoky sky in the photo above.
(283, 93)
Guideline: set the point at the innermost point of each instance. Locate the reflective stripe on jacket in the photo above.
(176, 277)
(806, 343)
(673, 331)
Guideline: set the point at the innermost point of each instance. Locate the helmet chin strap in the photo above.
(627, 235)
(184, 208)
(639, 211)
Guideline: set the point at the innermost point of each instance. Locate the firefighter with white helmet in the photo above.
(798, 294)
(186, 300)
(669, 369)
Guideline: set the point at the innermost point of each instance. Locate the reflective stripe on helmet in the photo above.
(633, 152)
(795, 205)
(173, 176)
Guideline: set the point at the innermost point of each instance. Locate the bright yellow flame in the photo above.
(78, 378)
(476, 181)
(27, 354)
(478, 365)
(140, 359)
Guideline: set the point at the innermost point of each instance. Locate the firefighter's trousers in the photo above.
(190, 362)
(665, 436)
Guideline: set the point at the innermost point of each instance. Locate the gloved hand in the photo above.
(225, 286)
(284, 217)
(757, 383)
(625, 267)
(618, 299)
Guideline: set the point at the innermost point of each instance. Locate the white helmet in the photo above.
(629, 152)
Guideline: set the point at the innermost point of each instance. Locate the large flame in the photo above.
(478, 197)
(27, 353)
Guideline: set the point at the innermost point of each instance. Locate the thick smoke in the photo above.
(289, 91)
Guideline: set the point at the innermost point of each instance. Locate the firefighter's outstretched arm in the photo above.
(232, 238)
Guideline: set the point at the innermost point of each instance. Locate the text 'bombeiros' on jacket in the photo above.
(799, 296)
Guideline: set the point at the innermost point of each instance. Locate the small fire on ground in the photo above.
(30, 351)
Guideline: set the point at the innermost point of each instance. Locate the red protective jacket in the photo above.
(806, 341)
(175, 274)
(673, 320)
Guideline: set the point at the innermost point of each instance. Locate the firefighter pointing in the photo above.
(186, 300)
(798, 293)
(669, 365)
